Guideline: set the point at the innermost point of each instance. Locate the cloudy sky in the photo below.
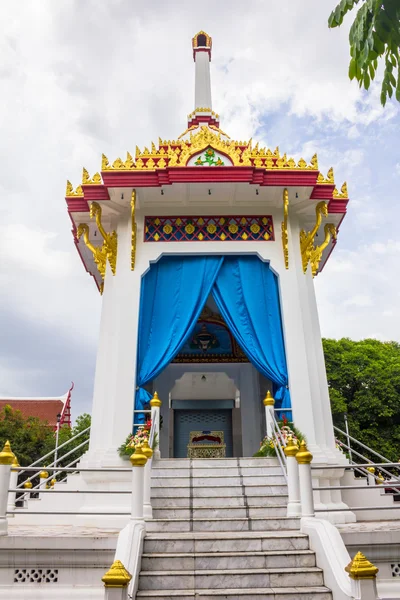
(82, 77)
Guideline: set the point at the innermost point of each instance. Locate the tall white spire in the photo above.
(203, 113)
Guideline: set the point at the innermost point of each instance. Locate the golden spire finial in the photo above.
(291, 449)
(138, 458)
(155, 401)
(361, 568)
(6, 455)
(117, 576)
(304, 457)
(269, 399)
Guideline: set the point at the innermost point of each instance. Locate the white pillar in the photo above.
(114, 386)
(147, 508)
(155, 404)
(6, 460)
(269, 404)
(138, 461)
(202, 94)
(116, 582)
(294, 505)
(43, 476)
(304, 458)
(13, 485)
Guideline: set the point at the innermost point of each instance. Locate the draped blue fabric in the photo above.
(173, 293)
(247, 295)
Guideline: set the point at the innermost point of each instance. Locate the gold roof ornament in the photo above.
(71, 193)
(138, 458)
(304, 457)
(6, 455)
(117, 576)
(361, 568)
(155, 401)
(269, 399)
(328, 180)
(291, 449)
(87, 180)
(343, 194)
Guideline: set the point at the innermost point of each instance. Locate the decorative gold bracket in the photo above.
(134, 230)
(99, 252)
(307, 239)
(110, 239)
(316, 254)
(284, 228)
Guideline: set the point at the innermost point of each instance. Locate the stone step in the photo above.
(213, 480)
(233, 471)
(245, 541)
(232, 578)
(219, 490)
(202, 463)
(216, 501)
(225, 524)
(283, 593)
(219, 512)
(228, 560)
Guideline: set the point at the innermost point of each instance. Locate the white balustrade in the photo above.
(304, 458)
(6, 460)
(294, 504)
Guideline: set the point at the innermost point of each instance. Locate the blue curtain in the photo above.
(173, 293)
(246, 293)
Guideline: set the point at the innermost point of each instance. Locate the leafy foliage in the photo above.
(364, 382)
(375, 34)
(268, 445)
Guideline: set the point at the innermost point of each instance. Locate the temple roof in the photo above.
(45, 409)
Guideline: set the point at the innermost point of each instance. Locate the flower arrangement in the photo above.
(268, 445)
(142, 435)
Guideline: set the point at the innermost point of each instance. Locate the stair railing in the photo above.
(40, 461)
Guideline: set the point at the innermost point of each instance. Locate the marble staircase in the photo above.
(219, 530)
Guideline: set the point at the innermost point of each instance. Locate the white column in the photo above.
(147, 508)
(294, 505)
(269, 404)
(304, 458)
(6, 460)
(114, 387)
(138, 460)
(202, 96)
(13, 486)
(43, 476)
(155, 404)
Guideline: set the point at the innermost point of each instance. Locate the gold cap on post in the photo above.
(146, 450)
(138, 459)
(117, 576)
(53, 482)
(304, 457)
(291, 449)
(361, 568)
(43, 474)
(371, 469)
(155, 401)
(15, 463)
(28, 485)
(269, 399)
(6, 455)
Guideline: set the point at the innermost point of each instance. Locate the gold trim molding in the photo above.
(284, 228)
(134, 230)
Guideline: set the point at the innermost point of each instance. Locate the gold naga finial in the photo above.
(303, 456)
(134, 230)
(314, 162)
(328, 180)
(117, 576)
(99, 252)
(86, 180)
(110, 239)
(361, 568)
(105, 165)
(284, 228)
(307, 239)
(343, 194)
(316, 254)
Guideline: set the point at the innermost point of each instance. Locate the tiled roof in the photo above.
(45, 409)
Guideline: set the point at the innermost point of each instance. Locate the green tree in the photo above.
(364, 382)
(374, 34)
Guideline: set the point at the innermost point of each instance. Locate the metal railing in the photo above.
(279, 442)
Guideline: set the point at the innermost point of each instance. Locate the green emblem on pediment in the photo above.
(209, 159)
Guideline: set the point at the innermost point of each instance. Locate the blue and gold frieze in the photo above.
(209, 229)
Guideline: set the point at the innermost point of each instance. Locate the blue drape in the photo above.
(246, 293)
(173, 293)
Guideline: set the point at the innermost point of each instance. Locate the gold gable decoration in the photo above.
(71, 193)
(343, 194)
(328, 180)
(177, 153)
